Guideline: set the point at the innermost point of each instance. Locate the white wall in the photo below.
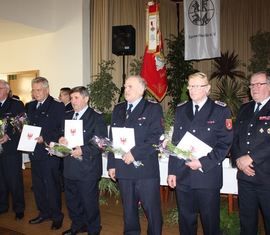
(58, 55)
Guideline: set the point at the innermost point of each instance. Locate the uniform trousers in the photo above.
(145, 191)
(251, 198)
(46, 187)
(11, 182)
(192, 202)
(82, 199)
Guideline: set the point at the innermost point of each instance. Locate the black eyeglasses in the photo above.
(196, 86)
(258, 84)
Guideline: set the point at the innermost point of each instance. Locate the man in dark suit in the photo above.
(198, 181)
(11, 179)
(138, 184)
(251, 152)
(47, 113)
(64, 96)
(83, 168)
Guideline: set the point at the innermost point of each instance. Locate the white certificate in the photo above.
(74, 133)
(123, 138)
(197, 147)
(27, 140)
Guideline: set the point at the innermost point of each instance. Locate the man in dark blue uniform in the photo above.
(139, 184)
(251, 152)
(64, 96)
(11, 179)
(198, 182)
(48, 114)
(83, 168)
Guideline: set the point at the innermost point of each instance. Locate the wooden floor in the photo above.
(111, 215)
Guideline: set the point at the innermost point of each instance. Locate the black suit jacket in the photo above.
(209, 125)
(90, 167)
(68, 108)
(147, 121)
(11, 108)
(49, 117)
(252, 136)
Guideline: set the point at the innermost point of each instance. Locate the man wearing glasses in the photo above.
(251, 152)
(198, 181)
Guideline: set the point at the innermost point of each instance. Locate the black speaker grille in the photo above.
(123, 40)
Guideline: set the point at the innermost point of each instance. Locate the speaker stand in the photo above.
(123, 81)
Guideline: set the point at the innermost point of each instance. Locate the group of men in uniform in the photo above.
(197, 181)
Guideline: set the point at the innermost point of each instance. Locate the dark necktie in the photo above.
(258, 108)
(39, 105)
(196, 110)
(0, 104)
(129, 110)
(75, 117)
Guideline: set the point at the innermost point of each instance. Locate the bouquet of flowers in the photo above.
(166, 148)
(3, 127)
(18, 121)
(107, 146)
(58, 150)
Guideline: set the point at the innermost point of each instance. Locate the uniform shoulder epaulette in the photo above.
(121, 102)
(222, 104)
(57, 100)
(97, 111)
(182, 103)
(68, 111)
(152, 101)
(15, 98)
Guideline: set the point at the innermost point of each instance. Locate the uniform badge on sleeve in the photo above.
(228, 123)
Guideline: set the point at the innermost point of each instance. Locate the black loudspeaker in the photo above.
(123, 40)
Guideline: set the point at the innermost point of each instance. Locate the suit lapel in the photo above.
(264, 110)
(138, 110)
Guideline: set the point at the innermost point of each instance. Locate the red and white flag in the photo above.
(153, 67)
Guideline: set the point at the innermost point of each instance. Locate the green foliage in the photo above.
(172, 216)
(231, 86)
(229, 222)
(107, 187)
(168, 120)
(135, 66)
(102, 90)
(231, 93)
(226, 67)
(260, 45)
(178, 69)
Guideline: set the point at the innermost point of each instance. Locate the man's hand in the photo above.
(194, 164)
(76, 152)
(62, 140)
(171, 180)
(111, 173)
(244, 164)
(128, 158)
(4, 139)
(39, 140)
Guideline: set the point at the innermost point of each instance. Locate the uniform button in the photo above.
(251, 125)
(248, 133)
(247, 142)
(248, 151)
(180, 128)
(193, 131)
(208, 129)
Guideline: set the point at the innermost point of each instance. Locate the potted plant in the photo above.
(231, 83)
(102, 90)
